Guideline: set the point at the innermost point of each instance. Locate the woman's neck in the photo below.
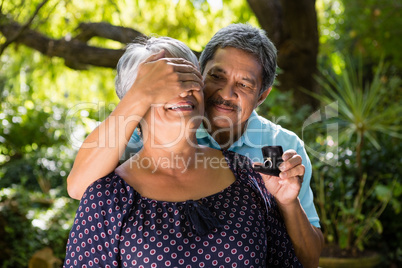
(175, 156)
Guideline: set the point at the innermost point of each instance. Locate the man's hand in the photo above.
(307, 240)
(161, 79)
(286, 188)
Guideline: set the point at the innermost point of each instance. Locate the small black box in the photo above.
(272, 159)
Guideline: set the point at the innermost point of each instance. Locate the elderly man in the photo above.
(238, 69)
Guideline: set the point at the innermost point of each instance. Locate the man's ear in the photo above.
(263, 96)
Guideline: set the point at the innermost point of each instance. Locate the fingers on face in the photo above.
(186, 73)
(190, 81)
(173, 64)
(182, 65)
(182, 74)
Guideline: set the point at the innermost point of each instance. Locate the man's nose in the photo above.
(228, 91)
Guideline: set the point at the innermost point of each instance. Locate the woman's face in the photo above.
(188, 109)
(174, 120)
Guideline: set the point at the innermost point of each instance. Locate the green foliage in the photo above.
(354, 219)
(367, 177)
(367, 27)
(37, 153)
(37, 148)
(363, 106)
(329, 15)
(278, 108)
(46, 109)
(374, 29)
(30, 221)
(19, 239)
(193, 22)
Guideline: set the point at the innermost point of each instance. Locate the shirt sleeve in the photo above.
(134, 146)
(306, 194)
(94, 237)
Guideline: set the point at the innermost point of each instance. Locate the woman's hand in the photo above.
(161, 79)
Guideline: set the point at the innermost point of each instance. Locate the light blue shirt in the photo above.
(259, 132)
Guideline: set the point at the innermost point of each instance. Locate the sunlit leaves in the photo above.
(35, 87)
(330, 15)
(363, 109)
(367, 27)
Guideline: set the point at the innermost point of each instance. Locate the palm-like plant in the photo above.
(362, 107)
(364, 111)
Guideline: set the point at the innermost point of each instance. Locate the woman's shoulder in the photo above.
(110, 187)
(242, 167)
(237, 160)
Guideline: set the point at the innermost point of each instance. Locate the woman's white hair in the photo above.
(137, 52)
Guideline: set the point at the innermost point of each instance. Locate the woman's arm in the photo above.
(158, 81)
(100, 153)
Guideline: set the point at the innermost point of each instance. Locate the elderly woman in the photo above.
(176, 203)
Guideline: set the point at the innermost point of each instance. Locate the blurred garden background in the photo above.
(338, 88)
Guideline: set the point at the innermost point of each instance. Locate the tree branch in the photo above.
(75, 51)
(14, 37)
(77, 54)
(117, 33)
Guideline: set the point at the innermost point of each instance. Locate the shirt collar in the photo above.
(202, 132)
(251, 136)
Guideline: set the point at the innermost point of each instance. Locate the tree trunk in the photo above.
(292, 27)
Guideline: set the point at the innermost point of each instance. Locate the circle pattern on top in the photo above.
(116, 227)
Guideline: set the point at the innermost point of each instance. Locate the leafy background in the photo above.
(46, 110)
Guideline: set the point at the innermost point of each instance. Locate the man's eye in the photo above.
(215, 76)
(242, 85)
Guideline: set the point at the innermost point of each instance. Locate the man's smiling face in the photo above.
(233, 81)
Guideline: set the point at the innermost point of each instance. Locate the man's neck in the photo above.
(226, 137)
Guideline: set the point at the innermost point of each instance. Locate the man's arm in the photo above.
(307, 240)
(158, 81)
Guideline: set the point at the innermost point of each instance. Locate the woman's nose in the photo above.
(186, 93)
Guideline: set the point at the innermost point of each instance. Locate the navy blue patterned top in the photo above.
(238, 227)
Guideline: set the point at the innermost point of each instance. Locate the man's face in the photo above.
(233, 81)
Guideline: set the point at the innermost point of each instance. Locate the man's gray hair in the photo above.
(249, 39)
(137, 52)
